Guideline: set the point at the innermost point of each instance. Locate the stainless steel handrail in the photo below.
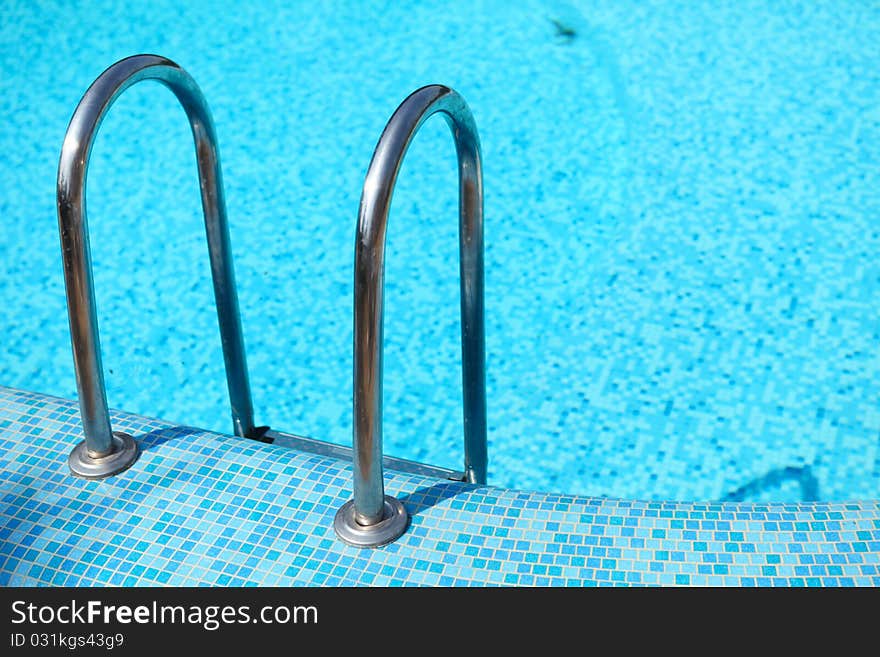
(104, 453)
(372, 518)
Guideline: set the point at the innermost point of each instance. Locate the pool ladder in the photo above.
(371, 518)
(104, 452)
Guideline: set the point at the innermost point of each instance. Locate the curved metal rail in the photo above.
(372, 518)
(103, 453)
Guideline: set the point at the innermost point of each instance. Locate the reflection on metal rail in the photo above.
(371, 518)
(104, 453)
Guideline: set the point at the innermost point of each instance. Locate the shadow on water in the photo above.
(775, 478)
(425, 498)
(563, 31)
(876, 470)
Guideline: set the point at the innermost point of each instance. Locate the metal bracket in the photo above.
(125, 452)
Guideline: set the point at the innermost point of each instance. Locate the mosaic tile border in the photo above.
(203, 509)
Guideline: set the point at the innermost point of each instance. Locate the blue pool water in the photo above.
(681, 225)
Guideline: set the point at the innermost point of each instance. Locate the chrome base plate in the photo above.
(125, 453)
(393, 524)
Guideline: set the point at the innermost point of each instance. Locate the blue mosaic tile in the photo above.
(200, 508)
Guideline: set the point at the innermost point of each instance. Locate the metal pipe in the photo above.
(362, 521)
(99, 444)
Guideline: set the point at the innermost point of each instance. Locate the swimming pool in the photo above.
(680, 206)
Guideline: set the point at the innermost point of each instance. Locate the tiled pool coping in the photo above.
(199, 508)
